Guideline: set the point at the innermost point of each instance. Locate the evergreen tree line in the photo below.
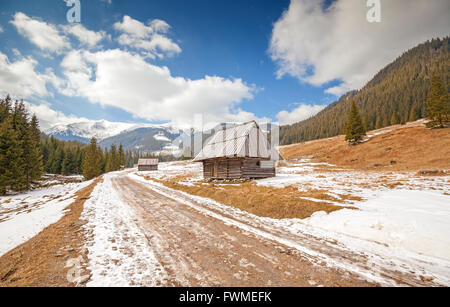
(62, 157)
(72, 157)
(397, 94)
(97, 161)
(438, 112)
(26, 153)
(20, 154)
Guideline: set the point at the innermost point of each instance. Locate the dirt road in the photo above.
(198, 244)
(131, 231)
(199, 250)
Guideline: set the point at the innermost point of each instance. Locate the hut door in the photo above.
(215, 169)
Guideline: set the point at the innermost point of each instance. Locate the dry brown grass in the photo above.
(41, 260)
(271, 202)
(405, 148)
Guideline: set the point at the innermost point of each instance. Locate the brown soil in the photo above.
(404, 148)
(278, 203)
(199, 250)
(41, 260)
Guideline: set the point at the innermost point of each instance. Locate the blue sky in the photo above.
(273, 59)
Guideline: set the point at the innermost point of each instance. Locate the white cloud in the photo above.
(318, 46)
(49, 117)
(45, 36)
(120, 79)
(150, 38)
(1, 29)
(16, 52)
(85, 36)
(302, 112)
(20, 80)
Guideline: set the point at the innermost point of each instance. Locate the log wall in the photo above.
(235, 168)
(252, 169)
(144, 168)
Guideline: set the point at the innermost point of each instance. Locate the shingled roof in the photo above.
(244, 140)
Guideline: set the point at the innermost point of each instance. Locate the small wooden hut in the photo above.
(147, 165)
(241, 151)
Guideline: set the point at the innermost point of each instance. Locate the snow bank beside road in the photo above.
(403, 222)
(401, 210)
(24, 216)
(376, 261)
(418, 221)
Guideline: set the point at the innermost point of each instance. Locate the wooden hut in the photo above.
(241, 151)
(147, 165)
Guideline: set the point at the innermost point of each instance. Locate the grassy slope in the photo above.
(412, 147)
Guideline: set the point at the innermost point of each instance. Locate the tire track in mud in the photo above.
(199, 250)
(318, 250)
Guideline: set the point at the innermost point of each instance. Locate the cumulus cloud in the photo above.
(121, 79)
(318, 45)
(302, 112)
(21, 80)
(44, 35)
(85, 36)
(49, 117)
(150, 38)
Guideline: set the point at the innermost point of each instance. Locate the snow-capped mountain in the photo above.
(139, 137)
(162, 139)
(101, 129)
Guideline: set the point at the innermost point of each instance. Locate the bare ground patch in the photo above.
(278, 203)
(397, 148)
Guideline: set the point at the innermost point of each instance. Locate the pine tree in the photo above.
(36, 167)
(21, 127)
(354, 129)
(78, 157)
(413, 115)
(10, 157)
(108, 166)
(92, 160)
(115, 161)
(438, 108)
(378, 123)
(121, 156)
(67, 166)
(5, 108)
(395, 119)
(57, 161)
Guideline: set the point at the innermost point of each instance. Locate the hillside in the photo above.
(134, 137)
(144, 139)
(400, 88)
(410, 147)
(83, 131)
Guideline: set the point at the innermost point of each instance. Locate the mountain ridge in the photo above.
(134, 137)
(400, 88)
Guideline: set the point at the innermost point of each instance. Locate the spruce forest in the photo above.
(26, 153)
(397, 94)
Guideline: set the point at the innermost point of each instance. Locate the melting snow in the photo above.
(405, 225)
(119, 252)
(24, 216)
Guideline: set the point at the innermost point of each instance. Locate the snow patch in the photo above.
(119, 252)
(24, 216)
